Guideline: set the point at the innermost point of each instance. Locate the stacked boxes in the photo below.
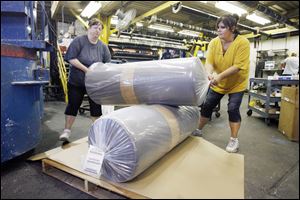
(289, 113)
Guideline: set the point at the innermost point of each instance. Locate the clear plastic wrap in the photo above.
(133, 138)
(180, 82)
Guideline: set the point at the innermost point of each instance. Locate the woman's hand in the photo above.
(214, 79)
(86, 70)
(76, 63)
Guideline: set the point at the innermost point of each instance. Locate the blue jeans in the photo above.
(213, 99)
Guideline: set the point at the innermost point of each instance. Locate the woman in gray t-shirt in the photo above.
(81, 54)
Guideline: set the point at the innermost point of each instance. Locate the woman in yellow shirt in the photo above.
(227, 63)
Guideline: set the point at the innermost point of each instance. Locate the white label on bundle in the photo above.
(93, 161)
(106, 109)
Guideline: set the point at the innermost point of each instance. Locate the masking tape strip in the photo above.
(286, 99)
(126, 86)
(172, 123)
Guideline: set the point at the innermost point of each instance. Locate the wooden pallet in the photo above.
(90, 185)
(193, 169)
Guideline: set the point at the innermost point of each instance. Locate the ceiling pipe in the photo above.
(186, 26)
(136, 39)
(151, 36)
(200, 12)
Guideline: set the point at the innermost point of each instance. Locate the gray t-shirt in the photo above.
(87, 53)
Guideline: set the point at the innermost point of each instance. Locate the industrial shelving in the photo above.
(133, 53)
(267, 97)
(276, 55)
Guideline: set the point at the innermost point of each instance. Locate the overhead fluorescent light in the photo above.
(203, 1)
(260, 20)
(139, 24)
(91, 9)
(154, 40)
(125, 36)
(161, 27)
(114, 20)
(140, 38)
(223, 5)
(189, 33)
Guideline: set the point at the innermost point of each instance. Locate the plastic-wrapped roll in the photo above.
(133, 138)
(181, 81)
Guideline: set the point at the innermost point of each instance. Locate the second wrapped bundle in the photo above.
(135, 137)
(181, 81)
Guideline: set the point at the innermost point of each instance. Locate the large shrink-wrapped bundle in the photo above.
(133, 138)
(181, 81)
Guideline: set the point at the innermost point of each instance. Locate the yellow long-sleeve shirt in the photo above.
(238, 55)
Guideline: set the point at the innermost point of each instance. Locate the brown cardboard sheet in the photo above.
(193, 169)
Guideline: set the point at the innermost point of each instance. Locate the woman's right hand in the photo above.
(87, 69)
(214, 79)
(76, 63)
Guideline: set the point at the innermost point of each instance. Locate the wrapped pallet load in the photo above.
(133, 138)
(181, 81)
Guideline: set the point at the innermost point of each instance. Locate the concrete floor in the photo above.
(271, 160)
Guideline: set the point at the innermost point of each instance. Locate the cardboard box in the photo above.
(289, 113)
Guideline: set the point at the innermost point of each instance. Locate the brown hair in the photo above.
(230, 22)
(293, 54)
(95, 21)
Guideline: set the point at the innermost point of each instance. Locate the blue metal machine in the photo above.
(21, 79)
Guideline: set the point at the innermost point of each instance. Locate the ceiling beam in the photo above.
(281, 30)
(270, 13)
(293, 13)
(154, 11)
(54, 7)
(250, 35)
(272, 3)
(151, 12)
(79, 18)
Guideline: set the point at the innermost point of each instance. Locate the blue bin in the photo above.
(21, 101)
(21, 79)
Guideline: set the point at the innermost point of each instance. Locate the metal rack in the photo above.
(133, 53)
(277, 56)
(267, 97)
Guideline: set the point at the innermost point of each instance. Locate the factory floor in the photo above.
(271, 160)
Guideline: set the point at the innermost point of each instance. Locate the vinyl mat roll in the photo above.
(180, 82)
(135, 137)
